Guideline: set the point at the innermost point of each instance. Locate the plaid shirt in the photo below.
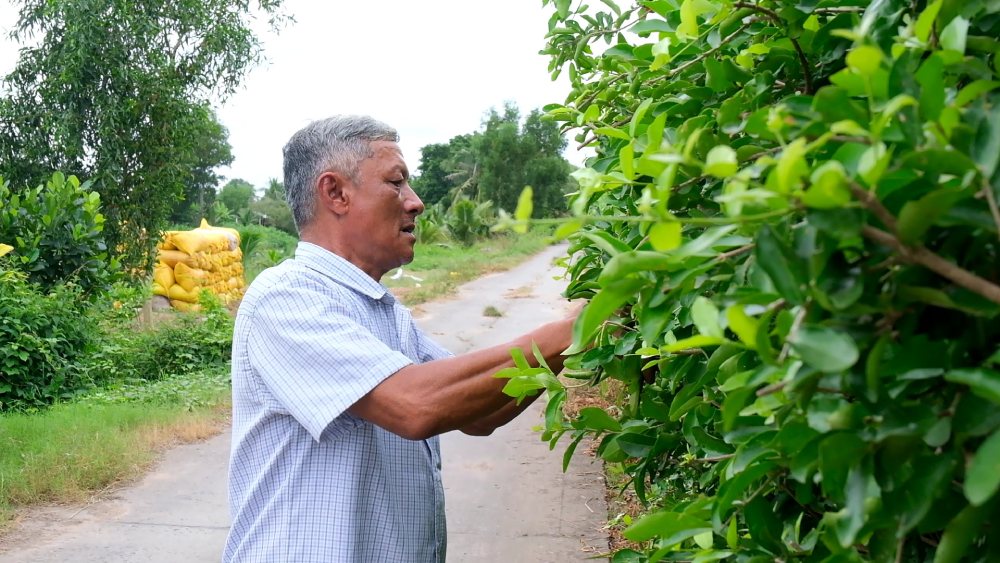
(308, 481)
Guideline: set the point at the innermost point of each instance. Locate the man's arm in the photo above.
(424, 400)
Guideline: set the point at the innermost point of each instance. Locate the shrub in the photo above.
(57, 233)
(788, 238)
(181, 344)
(43, 336)
(265, 247)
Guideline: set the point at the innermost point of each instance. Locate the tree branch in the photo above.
(922, 256)
(991, 201)
(773, 16)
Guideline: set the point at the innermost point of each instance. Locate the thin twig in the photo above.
(872, 204)
(713, 459)
(688, 64)
(840, 10)
(799, 318)
(806, 71)
(935, 263)
(991, 200)
(735, 252)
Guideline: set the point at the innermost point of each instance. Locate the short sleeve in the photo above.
(314, 358)
(429, 350)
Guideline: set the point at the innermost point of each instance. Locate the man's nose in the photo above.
(412, 202)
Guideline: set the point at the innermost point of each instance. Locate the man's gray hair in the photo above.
(337, 143)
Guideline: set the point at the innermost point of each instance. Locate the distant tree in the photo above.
(211, 149)
(431, 181)
(512, 156)
(274, 190)
(274, 213)
(117, 93)
(237, 194)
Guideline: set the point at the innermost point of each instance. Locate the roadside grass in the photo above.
(443, 267)
(69, 452)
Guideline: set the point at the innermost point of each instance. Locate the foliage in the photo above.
(468, 222)
(181, 345)
(788, 242)
(264, 247)
(512, 155)
(496, 163)
(119, 94)
(43, 336)
(237, 195)
(212, 146)
(57, 233)
(274, 212)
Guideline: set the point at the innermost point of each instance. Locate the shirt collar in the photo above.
(341, 271)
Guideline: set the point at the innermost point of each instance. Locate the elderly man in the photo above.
(338, 397)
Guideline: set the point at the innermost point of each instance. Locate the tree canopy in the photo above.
(119, 95)
(495, 164)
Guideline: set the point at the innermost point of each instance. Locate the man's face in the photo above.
(383, 211)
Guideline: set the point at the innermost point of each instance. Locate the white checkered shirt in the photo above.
(307, 480)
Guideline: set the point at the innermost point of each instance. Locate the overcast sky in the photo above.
(430, 69)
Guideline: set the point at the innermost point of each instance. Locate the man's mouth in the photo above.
(409, 229)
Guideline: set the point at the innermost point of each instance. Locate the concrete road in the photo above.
(507, 498)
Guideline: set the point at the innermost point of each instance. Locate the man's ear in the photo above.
(332, 193)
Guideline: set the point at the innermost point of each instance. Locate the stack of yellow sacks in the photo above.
(204, 258)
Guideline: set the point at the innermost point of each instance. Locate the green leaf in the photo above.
(631, 262)
(665, 524)
(743, 325)
(953, 36)
(925, 22)
(602, 306)
(916, 217)
(698, 341)
(983, 382)
(986, 143)
(864, 59)
(523, 211)
(873, 163)
(828, 189)
(791, 166)
(612, 132)
(823, 348)
(764, 525)
(721, 162)
(982, 479)
(959, 533)
(974, 90)
(706, 317)
(774, 259)
(931, 80)
(665, 236)
(595, 418)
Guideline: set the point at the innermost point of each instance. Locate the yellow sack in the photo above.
(163, 275)
(185, 306)
(177, 292)
(189, 278)
(232, 235)
(172, 257)
(200, 240)
(159, 290)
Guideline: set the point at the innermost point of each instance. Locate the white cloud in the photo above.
(430, 69)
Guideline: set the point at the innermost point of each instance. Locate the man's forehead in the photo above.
(387, 154)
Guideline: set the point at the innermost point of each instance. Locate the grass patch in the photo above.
(71, 451)
(491, 311)
(438, 269)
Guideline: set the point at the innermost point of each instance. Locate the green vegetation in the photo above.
(67, 452)
(57, 233)
(119, 95)
(788, 241)
(494, 164)
(440, 268)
